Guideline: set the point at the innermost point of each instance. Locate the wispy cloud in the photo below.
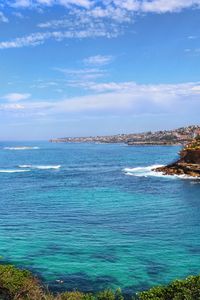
(41, 3)
(192, 51)
(87, 77)
(82, 75)
(20, 3)
(18, 15)
(39, 38)
(89, 18)
(163, 6)
(157, 6)
(12, 107)
(3, 18)
(192, 37)
(98, 60)
(120, 97)
(14, 97)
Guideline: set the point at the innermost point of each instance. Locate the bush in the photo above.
(76, 296)
(188, 289)
(18, 284)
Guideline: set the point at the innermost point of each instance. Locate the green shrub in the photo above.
(18, 284)
(110, 295)
(106, 295)
(188, 289)
(76, 296)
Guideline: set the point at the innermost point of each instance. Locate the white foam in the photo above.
(40, 167)
(148, 172)
(143, 171)
(13, 171)
(21, 148)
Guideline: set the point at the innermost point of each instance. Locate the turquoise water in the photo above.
(87, 215)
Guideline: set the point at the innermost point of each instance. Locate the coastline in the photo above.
(188, 163)
(180, 136)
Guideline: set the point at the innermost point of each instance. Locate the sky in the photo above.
(97, 67)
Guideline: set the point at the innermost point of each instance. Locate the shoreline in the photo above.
(118, 143)
(179, 136)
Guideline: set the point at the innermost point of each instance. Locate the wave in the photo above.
(143, 171)
(148, 172)
(13, 171)
(21, 148)
(40, 167)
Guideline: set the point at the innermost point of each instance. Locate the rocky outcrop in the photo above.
(188, 164)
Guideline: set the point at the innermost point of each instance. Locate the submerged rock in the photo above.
(188, 164)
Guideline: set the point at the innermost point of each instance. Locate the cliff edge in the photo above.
(189, 162)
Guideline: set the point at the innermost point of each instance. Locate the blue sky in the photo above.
(86, 67)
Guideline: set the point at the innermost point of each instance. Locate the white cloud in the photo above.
(89, 19)
(21, 4)
(163, 6)
(130, 5)
(124, 97)
(14, 97)
(82, 75)
(39, 38)
(40, 3)
(29, 40)
(98, 60)
(87, 77)
(12, 107)
(157, 6)
(3, 18)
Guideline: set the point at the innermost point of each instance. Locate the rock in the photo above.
(188, 164)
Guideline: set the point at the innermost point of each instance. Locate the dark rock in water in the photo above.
(188, 164)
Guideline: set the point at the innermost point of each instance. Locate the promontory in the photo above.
(189, 162)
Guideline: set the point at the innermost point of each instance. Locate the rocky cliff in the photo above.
(188, 164)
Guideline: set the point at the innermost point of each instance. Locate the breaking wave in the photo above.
(13, 171)
(143, 171)
(148, 172)
(40, 167)
(21, 148)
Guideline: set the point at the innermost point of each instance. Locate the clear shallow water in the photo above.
(73, 213)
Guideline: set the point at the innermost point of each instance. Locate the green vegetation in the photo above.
(198, 137)
(188, 289)
(194, 145)
(18, 284)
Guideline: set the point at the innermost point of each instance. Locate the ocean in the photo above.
(95, 216)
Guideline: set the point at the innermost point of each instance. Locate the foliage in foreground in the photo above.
(18, 284)
(188, 289)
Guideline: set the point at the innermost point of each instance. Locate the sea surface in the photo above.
(93, 216)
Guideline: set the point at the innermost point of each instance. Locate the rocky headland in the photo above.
(189, 162)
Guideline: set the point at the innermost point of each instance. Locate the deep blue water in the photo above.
(93, 224)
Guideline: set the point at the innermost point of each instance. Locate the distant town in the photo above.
(178, 136)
